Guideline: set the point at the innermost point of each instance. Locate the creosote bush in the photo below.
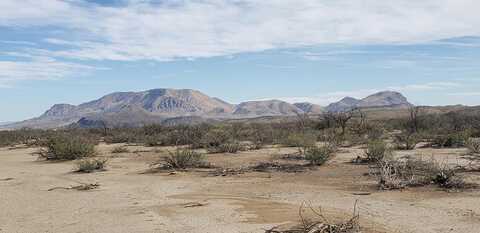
(67, 147)
(377, 150)
(318, 155)
(120, 149)
(451, 140)
(90, 165)
(233, 147)
(184, 158)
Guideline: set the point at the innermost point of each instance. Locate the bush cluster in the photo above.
(90, 165)
(184, 158)
(66, 147)
(319, 155)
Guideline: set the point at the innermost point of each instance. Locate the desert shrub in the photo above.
(451, 140)
(377, 150)
(299, 140)
(121, 137)
(90, 165)
(214, 138)
(473, 145)
(153, 141)
(375, 132)
(332, 137)
(233, 147)
(184, 158)
(406, 141)
(28, 137)
(397, 174)
(67, 147)
(318, 155)
(120, 149)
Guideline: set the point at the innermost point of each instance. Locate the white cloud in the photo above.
(174, 29)
(330, 97)
(464, 94)
(426, 86)
(37, 68)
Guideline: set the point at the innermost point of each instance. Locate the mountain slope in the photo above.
(389, 99)
(344, 104)
(268, 107)
(309, 108)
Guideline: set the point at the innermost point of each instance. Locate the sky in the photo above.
(74, 51)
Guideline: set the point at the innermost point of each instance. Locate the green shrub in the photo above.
(377, 150)
(451, 140)
(120, 149)
(90, 165)
(184, 158)
(318, 155)
(227, 148)
(66, 147)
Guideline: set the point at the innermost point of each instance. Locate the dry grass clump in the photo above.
(120, 149)
(320, 224)
(91, 165)
(410, 172)
(473, 145)
(184, 158)
(67, 148)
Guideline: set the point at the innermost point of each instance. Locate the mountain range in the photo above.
(174, 106)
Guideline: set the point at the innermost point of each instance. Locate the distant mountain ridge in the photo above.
(170, 106)
(390, 99)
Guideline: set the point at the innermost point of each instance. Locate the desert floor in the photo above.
(34, 195)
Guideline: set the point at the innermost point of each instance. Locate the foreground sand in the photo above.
(130, 199)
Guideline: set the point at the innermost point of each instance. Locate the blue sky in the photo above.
(74, 51)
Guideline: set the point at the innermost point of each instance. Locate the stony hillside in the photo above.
(309, 108)
(266, 108)
(384, 99)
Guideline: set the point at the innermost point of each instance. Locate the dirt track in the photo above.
(130, 200)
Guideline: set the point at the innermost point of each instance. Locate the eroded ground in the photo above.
(132, 198)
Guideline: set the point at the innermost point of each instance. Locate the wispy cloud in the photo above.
(330, 97)
(174, 29)
(464, 94)
(426, 86)
(38, 68)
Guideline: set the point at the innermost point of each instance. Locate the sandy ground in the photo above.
(132, 199)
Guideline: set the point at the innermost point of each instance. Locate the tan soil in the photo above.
(129, 199)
